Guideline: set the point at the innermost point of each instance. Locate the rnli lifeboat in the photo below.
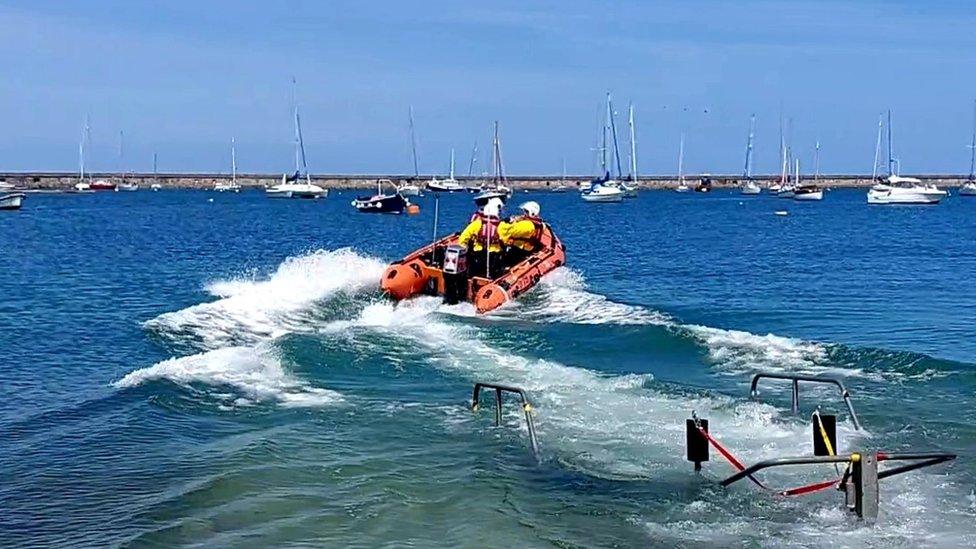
(440, 269)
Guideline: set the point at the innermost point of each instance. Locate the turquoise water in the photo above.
(179, 371)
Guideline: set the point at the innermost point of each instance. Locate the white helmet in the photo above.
(530, 208)
(493, 207)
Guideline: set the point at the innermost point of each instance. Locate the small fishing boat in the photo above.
(440, 269)
(127, 187)
(389, 203)
(896, 189)
(123, 186)
(155, 187)
(290, 186)
(969, 187)
(704, 185)
(100, 185)
(750, 188)
(232, 186)
(11, 201)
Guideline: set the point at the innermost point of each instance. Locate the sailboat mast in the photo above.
(155, 177)
(877, 149)
(122, 154)
(452, 164)
(681, 160)
(233, 161)
(891, 160)
(816, 173)
(633, 146)
(603, 147)
(796, 173)
(613, 130)
(972, 148)
(747, 171)
(413, 145)
(474, 158)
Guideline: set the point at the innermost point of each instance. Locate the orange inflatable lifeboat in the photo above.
(440, 269)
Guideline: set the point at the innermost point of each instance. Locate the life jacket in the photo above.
(530, 243)
(488, 235)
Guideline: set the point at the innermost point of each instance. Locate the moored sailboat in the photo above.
(291, 186)
(750, 188)
(232, 186)
(969, 187)
(603, 188)
(682, 186)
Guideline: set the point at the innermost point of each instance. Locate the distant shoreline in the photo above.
(54, 181)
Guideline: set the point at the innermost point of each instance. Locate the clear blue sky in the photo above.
(181, 78)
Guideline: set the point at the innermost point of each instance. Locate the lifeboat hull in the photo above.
(420, 273)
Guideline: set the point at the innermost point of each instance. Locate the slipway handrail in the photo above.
(796, 379)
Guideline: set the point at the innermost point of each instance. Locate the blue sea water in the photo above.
(179, 370)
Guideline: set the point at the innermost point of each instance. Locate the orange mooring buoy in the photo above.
(413, 209)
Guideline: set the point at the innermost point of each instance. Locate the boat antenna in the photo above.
(474, 158)
(413, 144)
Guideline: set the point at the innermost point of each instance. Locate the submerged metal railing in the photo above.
(526, 407)
(796, 379)
(860, 482)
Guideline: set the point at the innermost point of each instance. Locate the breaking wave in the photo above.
(255, 373)
(252, 310)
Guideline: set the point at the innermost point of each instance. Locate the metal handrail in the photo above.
(796, 379)
(777, 462)
(526, 407)
(928, 458)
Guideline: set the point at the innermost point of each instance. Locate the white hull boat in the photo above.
(408, 189)
(11, 201)
(227, 188)
(904, 190)
(445, 186)
(804, 194)
(969, 189)
(751, 189)
(127, 187)
(603, 193)
(296, 190)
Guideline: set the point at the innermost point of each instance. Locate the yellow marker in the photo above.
(527, 407)
(855, 458)
(826, 439)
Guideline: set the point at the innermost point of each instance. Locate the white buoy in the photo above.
(210, 200)
(782, 212)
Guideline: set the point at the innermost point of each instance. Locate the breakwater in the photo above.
(54, 181)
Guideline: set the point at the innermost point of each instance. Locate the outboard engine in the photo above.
(455, 274)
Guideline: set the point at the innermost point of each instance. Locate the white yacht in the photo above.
(751, 188)
(602, 192)
(232, 186)
(896, 189)
(904, 190)
(291, 186)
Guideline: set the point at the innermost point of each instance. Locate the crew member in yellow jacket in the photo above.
(521, 234)
(481, 233)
